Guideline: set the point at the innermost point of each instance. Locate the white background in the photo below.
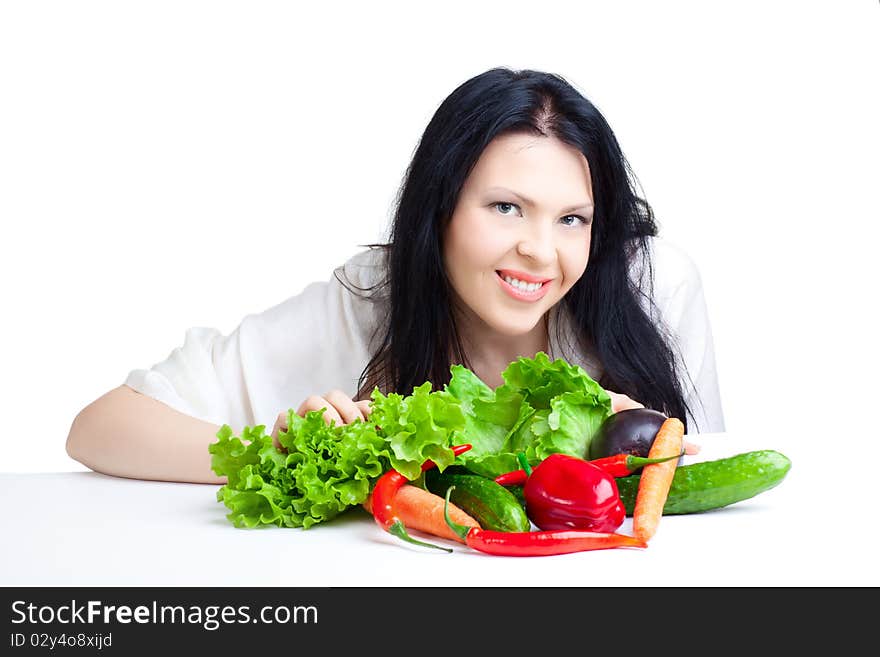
(173, 164)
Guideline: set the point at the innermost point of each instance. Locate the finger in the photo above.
(345, 406)
(616, 400)
(691, 448)
(280, 425)
(620, 402)
(315, 403)
(366, 407)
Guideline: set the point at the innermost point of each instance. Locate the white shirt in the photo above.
(321, 339)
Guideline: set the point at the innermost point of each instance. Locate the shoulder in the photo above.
(673, 269)
(346, 297)
(667, 279)
(366, 269)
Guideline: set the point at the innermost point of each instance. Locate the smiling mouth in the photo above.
(521, 286)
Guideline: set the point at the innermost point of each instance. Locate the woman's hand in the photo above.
(340, 408)
(620, 402)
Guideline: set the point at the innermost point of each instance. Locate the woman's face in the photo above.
(519, 237)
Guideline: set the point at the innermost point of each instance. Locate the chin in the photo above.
(509, 327)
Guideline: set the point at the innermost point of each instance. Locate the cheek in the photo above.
(471, 245)
(458, 252)
(574, 256)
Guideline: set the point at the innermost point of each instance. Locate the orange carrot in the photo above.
(422, 510)
(656, 479)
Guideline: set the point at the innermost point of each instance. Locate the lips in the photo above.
(520, 294)
(523, 276)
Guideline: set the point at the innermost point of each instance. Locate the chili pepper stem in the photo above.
(398, 529)
(524, 462)
(636, 462)
(461, 530)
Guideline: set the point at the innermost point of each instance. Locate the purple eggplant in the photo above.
(626, 432)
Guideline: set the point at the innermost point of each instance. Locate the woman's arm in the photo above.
(127, 434)
(159, 423)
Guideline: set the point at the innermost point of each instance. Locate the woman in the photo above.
(517, 230)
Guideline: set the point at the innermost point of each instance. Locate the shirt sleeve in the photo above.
(680, 300)
(309, 344)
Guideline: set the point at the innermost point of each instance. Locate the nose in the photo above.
(537, 242)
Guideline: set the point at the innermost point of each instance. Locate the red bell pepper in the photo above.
(566, 492)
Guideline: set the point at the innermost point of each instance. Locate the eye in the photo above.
(583, 220)
(504, 207)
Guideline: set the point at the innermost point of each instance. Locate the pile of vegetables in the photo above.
(482, 466)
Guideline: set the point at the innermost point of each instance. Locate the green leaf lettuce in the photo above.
(542, 407)
(329, 468)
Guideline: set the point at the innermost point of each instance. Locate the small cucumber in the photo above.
(489, 503)
(711, 485)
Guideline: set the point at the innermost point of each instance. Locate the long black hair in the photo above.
(420, 341)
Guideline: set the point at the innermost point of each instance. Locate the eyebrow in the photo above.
(530, 202)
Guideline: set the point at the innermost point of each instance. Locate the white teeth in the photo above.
(522, 285)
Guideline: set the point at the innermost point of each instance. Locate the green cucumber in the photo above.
(714, 484)
(489, 503)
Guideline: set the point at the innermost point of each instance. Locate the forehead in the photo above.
(535, 166)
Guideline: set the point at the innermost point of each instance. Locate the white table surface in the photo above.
(88, 529)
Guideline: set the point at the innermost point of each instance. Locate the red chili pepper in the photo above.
(535, 544)
(618, 465)
(623, 465)
(383, 501)
(566, 492)
(512, 478)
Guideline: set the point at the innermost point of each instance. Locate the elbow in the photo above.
(75, 445)
(84, 439)
(87, 432)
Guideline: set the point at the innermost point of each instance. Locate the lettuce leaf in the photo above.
(329, 468)
(542, 407)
